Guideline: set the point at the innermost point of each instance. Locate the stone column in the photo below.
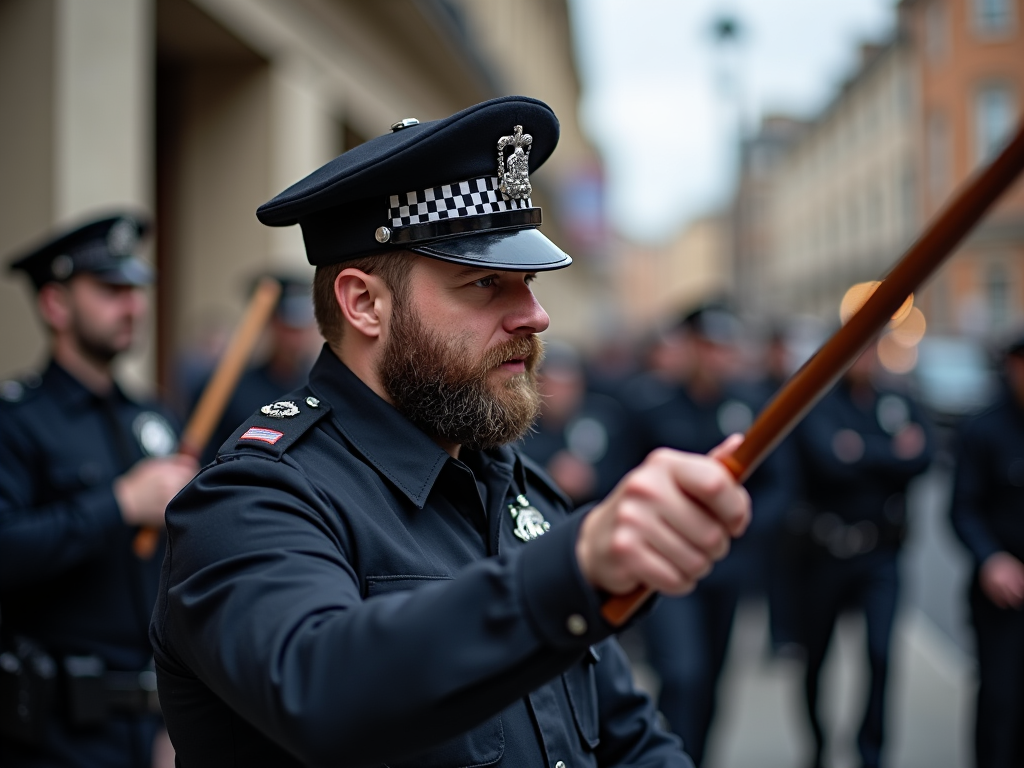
(103, 125)
(305, 134)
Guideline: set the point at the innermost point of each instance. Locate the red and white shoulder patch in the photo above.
(262, 434)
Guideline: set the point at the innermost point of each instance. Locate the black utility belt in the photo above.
(34, 687)
(93, 692)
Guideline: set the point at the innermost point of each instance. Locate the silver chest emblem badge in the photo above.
(282, 409)
(514, 171)
(530, 523)
(154, 434)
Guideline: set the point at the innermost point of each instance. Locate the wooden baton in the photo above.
(218, 391)
(814, 379)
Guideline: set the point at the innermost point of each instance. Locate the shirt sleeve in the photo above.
(39, 542)
(970, 495)
(262, 604)
(630, 734)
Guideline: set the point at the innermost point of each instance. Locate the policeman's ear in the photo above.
(54, 302)
(364, 301)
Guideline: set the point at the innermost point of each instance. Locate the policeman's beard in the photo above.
(99, 344)
(434, 382)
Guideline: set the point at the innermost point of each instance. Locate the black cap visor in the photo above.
(521, 250)
(130, 271)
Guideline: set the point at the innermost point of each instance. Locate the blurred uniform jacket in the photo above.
(988, 495)
(669, 416)
(868, 488)
(340, 591)
(68, 577)
(600, 434)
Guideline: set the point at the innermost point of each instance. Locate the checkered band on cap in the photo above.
(451, 201)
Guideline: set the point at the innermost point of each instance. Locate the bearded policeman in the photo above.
(369, 573)
(82, 467)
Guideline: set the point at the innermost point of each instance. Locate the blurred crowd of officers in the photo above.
(83, 466)
(829, 513)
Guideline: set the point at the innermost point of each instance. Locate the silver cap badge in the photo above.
(530, 523)
(122, 238)
(514, 172)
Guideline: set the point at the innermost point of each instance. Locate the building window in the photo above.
(993, 120)
(908, 203)
(936, 31)
(997, 293)
(992, 17)
(939, 151)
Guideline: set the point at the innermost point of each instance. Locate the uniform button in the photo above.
(576, 625)
(560, 764)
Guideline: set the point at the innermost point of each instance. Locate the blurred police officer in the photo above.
(292, 343)
(583, 439)
(859, 448)
(369, 573)
(687, 636)
(988, 516)
(82, 468)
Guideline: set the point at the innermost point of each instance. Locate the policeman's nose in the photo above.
(135, 303)
(525, 314)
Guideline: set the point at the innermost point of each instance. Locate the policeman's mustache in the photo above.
(529, 349)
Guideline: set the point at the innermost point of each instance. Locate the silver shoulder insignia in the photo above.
(530, 523)
(12, 391)
(282, 409)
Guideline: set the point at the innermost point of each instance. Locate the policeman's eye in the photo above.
(486, 282)
(528, 279)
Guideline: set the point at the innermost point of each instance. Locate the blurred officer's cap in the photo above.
(561, 358)
(295, 304)
(714, 322)
(456, 189)
(103, 247)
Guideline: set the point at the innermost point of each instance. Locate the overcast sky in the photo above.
(656, 100)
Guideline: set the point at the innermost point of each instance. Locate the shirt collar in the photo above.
(68, 391)
(395, 446)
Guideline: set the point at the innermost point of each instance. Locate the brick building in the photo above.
(921, 112)
(970, 69)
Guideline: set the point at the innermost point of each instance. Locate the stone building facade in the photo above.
(197, 111)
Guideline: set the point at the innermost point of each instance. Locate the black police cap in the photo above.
(713, 321)
(295, 303)
(455, 189)
(103, 247)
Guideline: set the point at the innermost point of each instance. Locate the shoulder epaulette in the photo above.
(275, 427)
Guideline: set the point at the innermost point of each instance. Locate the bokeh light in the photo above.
(858, 293)
(895, 357)
(909, 332)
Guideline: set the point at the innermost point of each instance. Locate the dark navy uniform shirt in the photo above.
(68, 576)
(340, 591)
(988, 494)
(668, 416)
(869, 484)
